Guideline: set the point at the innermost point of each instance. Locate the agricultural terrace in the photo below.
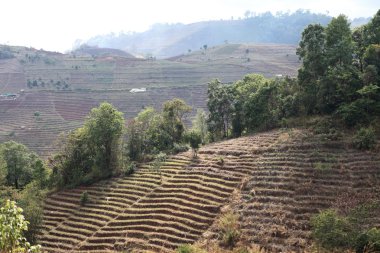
(274, 187)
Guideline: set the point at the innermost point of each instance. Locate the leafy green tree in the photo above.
(220, 105)
(31, 200)
(358, 37)
(339, 46)
(312, 52)
(173, 112)
(200, 124)
(18, 164)
(91, 152)
(373, 30)
(194, 139)
(12, 226)
(104, 127)
(158, 161)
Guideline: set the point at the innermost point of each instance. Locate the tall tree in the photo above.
(104, 127)
(91, 152)
(312, 52)
(173, 112)
(219, 103)
(339, 47)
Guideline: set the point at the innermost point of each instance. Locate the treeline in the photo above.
(340, 77)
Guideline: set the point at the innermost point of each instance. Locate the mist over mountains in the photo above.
(166, 40)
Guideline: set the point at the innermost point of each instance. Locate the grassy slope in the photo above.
(94, 80)
(276, 176)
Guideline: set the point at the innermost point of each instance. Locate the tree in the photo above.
(373, 30)
(104, 127)
(339, 47)
(173, 112)
(194, 139)
(200, 124)
(91, 152)
(159, 159)
(12, 226)
(219, 103)
(312, 52)
(18, 164)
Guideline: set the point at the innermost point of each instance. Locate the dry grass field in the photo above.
(275, 181)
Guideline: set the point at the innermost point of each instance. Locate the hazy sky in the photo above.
(56, 24)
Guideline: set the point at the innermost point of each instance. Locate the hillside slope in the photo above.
(54, 92)
(277, 174)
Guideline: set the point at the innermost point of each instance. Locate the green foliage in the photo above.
(187, 248)
(12, 226)
(365, 138)
(151, 132)
(331, 231)
(92, 152)
(219, 103)
(19, 164)
(173, 112)
(368, 241)
(104, 128)
(84, 198)
(31, 200)
(229, 231)
(200, 124)
(131, 168)
(339, 47)
(194, 139)
(179, 147)
(159, 159)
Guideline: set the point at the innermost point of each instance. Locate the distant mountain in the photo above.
(101, 51)
(166, 40)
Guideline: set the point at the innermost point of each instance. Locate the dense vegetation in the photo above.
(340, 76)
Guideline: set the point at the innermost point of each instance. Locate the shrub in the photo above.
(179, 147)
(331, 231)
(229, 229)
(131, 167)
(220, 161)
(187, 248)
(84, 198)
(368, 241)
(364, 138)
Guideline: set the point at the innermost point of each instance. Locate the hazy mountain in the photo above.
(164, 40)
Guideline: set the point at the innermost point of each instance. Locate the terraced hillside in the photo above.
(282, 178)
(55, 91)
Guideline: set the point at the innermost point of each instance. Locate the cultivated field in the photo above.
(274, 180)
(56, 91)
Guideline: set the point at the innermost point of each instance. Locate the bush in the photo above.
(331, 231)
(178, 148)
(187, 248)
(368, 241)
(364, 138)
(84, 198)
(130, 169)
(229, 229)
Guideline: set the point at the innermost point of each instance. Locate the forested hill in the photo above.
(166, 40)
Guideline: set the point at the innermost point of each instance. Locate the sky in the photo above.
(55, 25)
